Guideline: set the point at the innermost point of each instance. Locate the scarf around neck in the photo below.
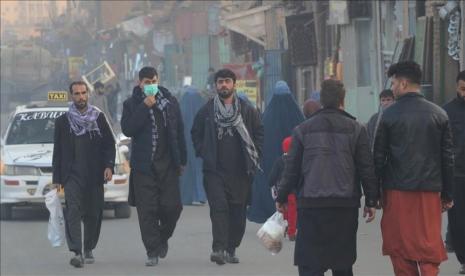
(229, 119)
(81, 123)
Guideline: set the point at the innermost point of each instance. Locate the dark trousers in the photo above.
(228, 218)
(456, 216)
(83, 202)
(308, 271)
(158, 203)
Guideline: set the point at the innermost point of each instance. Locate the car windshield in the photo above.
(33, 127)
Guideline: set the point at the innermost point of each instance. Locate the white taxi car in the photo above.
(26, 161)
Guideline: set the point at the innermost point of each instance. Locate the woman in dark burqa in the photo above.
(279, 119)
(192, 191)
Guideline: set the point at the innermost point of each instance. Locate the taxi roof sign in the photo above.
(58, 96)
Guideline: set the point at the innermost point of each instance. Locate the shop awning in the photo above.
(250, 23)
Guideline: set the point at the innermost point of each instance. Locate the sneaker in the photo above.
(231, 257)
(77, 261)
(217, 257)
(163, 250)
(151, 261)
(462, 269)
(88, 257)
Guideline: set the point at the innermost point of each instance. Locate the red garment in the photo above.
(291, 215)
(403, 267)
(411, 226)
(286, 145)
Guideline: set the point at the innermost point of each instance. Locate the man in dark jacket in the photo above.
(386, 98)
(227, 134)
(83, 159)
(414, 161)
(329, 152)
(456, 111)
(152, 118)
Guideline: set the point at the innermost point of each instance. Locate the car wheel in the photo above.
(122, 210)
(6, 211)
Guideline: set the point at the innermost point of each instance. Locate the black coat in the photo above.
(413, 147)
(330, 151)
(456, 111)
(135, 123)
(101, 152)
(204, 136)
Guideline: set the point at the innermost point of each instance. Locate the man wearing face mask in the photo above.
(83, 158)
(228, 135)
(152, 118)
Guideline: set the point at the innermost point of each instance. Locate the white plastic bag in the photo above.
(56, 222)
(272, 232)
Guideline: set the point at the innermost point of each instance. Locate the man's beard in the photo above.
(225, 93)
(81, 105)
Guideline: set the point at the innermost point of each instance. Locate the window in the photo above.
(33, 128)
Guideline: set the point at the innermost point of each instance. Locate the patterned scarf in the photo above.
(83, 122)
(226, 120)
(161, 104)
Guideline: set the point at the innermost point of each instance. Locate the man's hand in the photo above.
(181, 170)
(446, 205)
(149, 101)
(281, 207)
(370, 211)
(107, 174)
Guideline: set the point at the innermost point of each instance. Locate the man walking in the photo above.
(386, 98)
(227, 134)
(328, 151)
(414, 161)
(83, 159)
(99, 100)
(152, 118)
(456, 111)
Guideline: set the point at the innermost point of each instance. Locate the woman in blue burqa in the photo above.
(192, 191)
(279, 119)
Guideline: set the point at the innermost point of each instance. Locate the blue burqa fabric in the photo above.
(279, 119)
(192, 179)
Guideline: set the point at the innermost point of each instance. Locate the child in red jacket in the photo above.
(275, 177)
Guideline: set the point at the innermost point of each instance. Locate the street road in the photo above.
(25, 250)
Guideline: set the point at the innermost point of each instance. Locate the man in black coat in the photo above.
(329, 152)
(456, 111)
(228, 135)
(414, 163)
(83, 159)
(152, 118)
(386, 98)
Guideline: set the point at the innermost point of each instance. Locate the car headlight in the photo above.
(20, 170)
(121, 169)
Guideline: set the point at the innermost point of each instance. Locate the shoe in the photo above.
(77, 261)
(88, 257)
(151, 261)
(217, 257)
(163, 250)
(231, 257)
(462, 269)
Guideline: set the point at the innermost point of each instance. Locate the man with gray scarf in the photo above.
(83, 159)
(228, 135)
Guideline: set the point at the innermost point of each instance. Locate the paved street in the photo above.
(25, 250)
